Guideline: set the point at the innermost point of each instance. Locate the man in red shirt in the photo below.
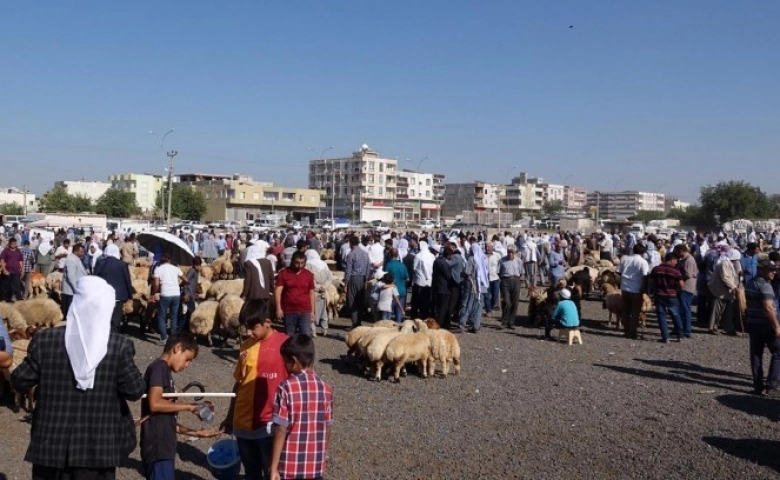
(294, 296)
(12, 265)
(665, 283)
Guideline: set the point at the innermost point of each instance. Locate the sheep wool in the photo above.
(202, 319)
(40, 312)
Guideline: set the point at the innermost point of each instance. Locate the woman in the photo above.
(322, 278)
(95, 253)
(475, 283)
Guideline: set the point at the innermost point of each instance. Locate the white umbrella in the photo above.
(177, 250)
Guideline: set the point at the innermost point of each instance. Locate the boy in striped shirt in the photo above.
(303, 414)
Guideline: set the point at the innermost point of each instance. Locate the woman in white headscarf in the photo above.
(403, 249)
(94, 255)
(322, 278)
(474, 285)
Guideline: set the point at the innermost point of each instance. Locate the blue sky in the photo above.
(661, 95)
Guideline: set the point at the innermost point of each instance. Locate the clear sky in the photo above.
(663, 95)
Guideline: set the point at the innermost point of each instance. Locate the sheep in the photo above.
(536, 301)
(139, 273)
(223, 266)
(332, 302)
(203, 287)
(328, 254)
(222, 287)
(202, 319)
(444, 347)
(353, 336)
(141, 287)
(409, 348)
(206, 272)
(20, 353)
(12, 316)
(54, 284)
(386, 324)
(227, 313)
(142, 262)
(134, 306)
(40, 312)
(613, 302)
(37, 285)
(377, 344)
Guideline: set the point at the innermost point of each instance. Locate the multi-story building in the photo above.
(674, 203)
(240, 198)
(472, 196)
(23, 198)
(90, 190)
(418, 195)
(145, 187)
(626, 204)
(364, 183)
(575, 199)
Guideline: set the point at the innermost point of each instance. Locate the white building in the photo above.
(145, 187)
(90, 190)
(364, 183)
(626, 204)
(418, 196)
(22, 198)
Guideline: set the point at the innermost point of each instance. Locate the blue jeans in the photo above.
(398, 313)
(493, 295)
(256, 457)
(167, 303)
(686, 299)
(386, 315)
(661, 304)
(299, 321)
(160, 470)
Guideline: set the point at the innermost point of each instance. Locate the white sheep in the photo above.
(353, 336)
(54, 283)
(375, 349)
(409, 348)
(40, 312)
(222, 287)
(444, 348)
(227, 313)
(13, 318)
(202, 319)
(20, 353)
(203, 288)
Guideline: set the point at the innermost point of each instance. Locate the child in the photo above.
(301, 428)
(387, 295)
(158, 422)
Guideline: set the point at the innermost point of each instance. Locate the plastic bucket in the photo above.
(224, 460)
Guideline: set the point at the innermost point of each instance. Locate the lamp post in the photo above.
(332, 183)
(162, 190)
(500, 189)
(172, 155)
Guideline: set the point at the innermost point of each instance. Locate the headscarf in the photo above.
(45, 247)
(112, 251)
(88, 328)
(480, 268)
(96, 256)
(314, 261)
(257, 250)
(403, 248)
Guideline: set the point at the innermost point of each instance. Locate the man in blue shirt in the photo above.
(6, 350)
(557, 263)
(565, 314)
(749, 262)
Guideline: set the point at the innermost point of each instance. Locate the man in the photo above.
(687, 266)
(491, 296)
(358, 268)
(167, 279)
(763, 328)
(85, 374)
(510, 271)
(129, 250)
(664, 284)
(117, 273)
(259, 278)
(423, 278)
(557, 263)
(441, 286)
(530, 255)
(458, 268)
(295, 297)
(749, 262)
(723, 284)
(605, 247)
(193, 245)
(74, 270)
(633, 269)
(61, 255)
(576, 252)
(28, 258)
(12, 266)
(376, 253)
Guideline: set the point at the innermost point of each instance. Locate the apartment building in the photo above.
(145, 187)
(625, 204)
(90, 190)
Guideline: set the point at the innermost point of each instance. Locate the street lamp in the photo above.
(332, 183)
(165, 170)
(508, 172)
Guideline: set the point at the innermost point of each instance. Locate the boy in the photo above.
(388, 296)
(259, 371)
(158, 422)
(302, 429)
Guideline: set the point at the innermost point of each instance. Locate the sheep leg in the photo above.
(445, 367)
(431, 367)
(456, 362)
(397, 372)
(378, 375)
(421, 366)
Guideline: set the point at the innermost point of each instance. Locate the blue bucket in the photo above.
(224, 460)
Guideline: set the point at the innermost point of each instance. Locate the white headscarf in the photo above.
(88, 328)
(403, 248)
(45, 247)
(112, 251)
(257, 250)
(314, 261)
(97, 254)
(480, 268)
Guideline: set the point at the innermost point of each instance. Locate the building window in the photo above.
(379, 190)
(242, 195)
(381, 167)
(300, 198)
(411, 193)
(427, 194)
(371, 178)
(381, 178)
(370, 190)
(255, 196)
(370, 166)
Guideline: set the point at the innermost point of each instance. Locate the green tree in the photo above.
(186, 203)
(774, 202)
(117, 203)
(56, 200)
(80, 203)
(11, 209)
(732, 200)
(553, 208)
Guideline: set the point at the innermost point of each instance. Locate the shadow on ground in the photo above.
(762, 452)
(685, 372)
(753, 405)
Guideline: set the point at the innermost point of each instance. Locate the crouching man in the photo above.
(565, 314)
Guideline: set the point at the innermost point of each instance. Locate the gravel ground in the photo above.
(522, 408)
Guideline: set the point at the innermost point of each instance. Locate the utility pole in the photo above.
(172, 155)
(24, 191)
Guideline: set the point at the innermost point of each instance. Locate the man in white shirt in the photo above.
(605, 246)
(376, 253)
(421, 287)
(61, 255)
(167, 279)
(633, 270)
(492, 296)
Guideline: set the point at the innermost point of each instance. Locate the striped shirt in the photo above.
(28, 257)
(304, 406)
(358, 264)
(666, 280)
(758, 291)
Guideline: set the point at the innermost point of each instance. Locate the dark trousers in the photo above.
(722, 315)
(703, 307)
(442, 308)
(116, 317)
(493, 296)
(256, 457)
(761, 337)
(160, 470)
(356, 298)
(421, 302)
(12, 287)
(297, 323)
(40, 472)
(454, 304)
(65, 301)
(510, 298)
(632, 307)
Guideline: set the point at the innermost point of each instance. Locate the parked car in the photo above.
(428, 224)
(380, 226)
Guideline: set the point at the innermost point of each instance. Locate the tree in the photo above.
(56, 200)
(553, 208)
(80, 203)
(645, 216)
(733, 200)
(186, 203)
(11, 209)
(117, 204)
(691, 216)
(774, 202)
